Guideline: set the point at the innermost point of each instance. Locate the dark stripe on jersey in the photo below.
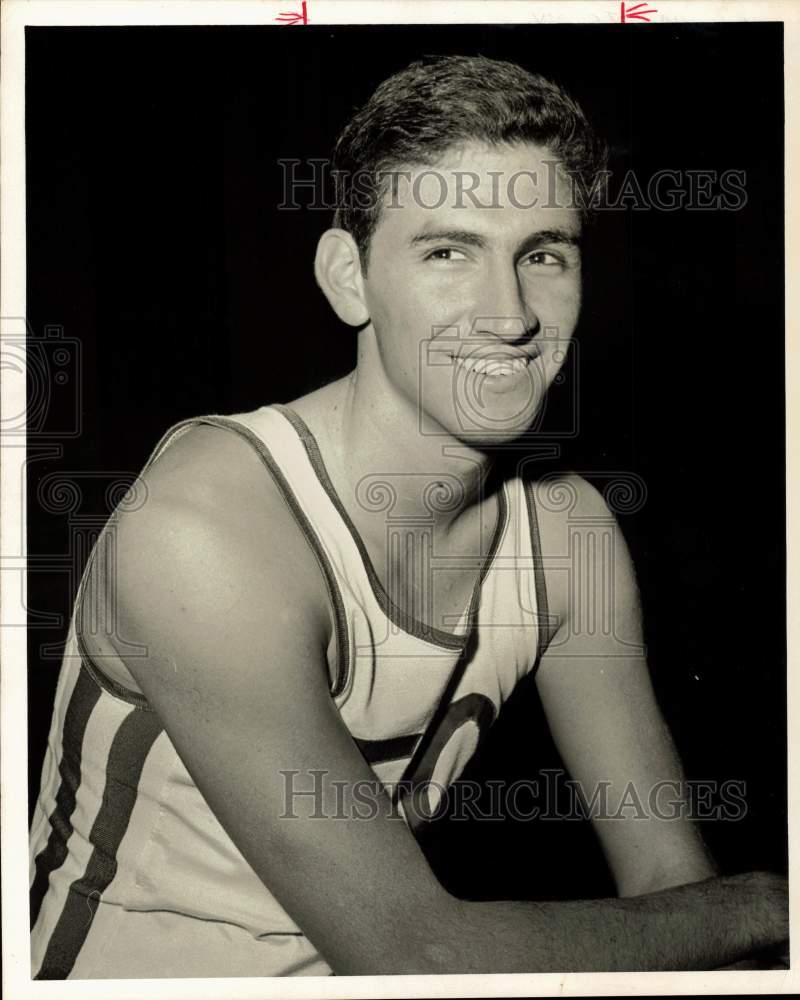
(473, 707)
(84, 697)
(129, 749)
(547, 626)
(441, 710)
(395, 748)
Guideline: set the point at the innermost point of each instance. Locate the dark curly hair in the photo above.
(443, 101)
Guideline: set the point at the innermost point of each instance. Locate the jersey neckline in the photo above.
(402, 619)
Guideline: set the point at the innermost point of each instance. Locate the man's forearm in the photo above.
(703, 925)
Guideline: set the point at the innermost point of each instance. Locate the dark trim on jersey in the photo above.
(100, 678)
(337, 603)
(340, 620)
(547, 626)
(132, 742)
(394, 748)
(497, 539)
(402, 619)
(84, 697)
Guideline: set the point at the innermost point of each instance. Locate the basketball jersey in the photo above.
(131, 873)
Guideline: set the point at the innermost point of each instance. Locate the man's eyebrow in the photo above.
(464, 236)
(469, 238)
(563, 236)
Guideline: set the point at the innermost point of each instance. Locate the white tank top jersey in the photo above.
(132, 875)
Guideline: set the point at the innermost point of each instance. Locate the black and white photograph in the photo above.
(397, 582)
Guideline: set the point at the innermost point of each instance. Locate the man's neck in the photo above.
(388, 463)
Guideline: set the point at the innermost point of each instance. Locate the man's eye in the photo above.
(446, 253)
(544, 258)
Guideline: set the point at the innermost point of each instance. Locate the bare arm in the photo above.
(597, 695)
(237, 673)
(596, 691)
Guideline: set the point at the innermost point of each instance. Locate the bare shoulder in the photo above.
(564, 496)
(563, 500)
(212, 533)
(210, 484)
(568, 508)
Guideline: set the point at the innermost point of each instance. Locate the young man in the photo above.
(283, 655)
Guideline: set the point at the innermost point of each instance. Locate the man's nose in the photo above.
(503, 311)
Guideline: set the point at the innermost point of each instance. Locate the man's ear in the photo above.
(337, 268)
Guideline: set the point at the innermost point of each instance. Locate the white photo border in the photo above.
(16, 15)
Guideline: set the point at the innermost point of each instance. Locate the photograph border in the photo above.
(16, 15)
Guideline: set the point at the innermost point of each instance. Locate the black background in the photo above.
(154, 241)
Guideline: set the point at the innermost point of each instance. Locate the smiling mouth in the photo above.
(497, 365)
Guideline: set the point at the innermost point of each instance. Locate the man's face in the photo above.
(473, 306)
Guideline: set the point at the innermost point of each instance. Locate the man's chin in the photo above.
(486, 438)
(482, 427)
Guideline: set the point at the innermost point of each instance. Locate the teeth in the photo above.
(493, 366)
